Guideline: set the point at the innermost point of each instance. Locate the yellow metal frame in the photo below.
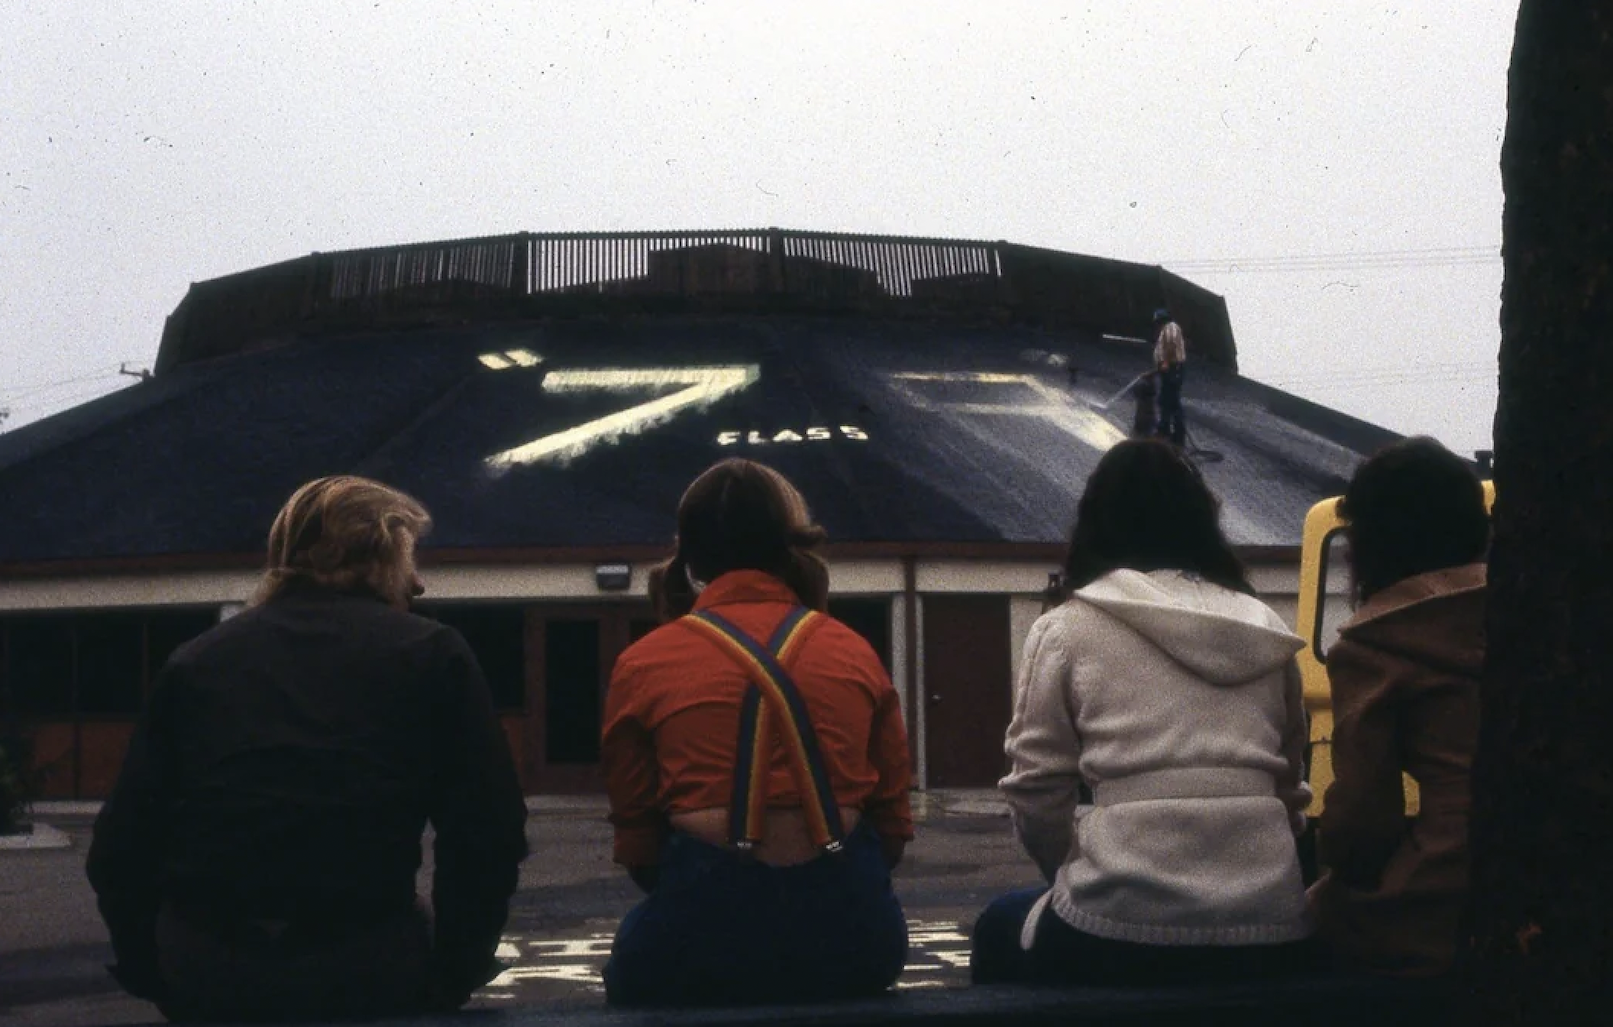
(1322, 523)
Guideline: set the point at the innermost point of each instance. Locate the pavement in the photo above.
(53, 947)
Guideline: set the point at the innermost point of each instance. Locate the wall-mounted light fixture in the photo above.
(1054, 594)
(613, 577)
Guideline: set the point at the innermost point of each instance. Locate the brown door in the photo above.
(967, 689)
(570, 653)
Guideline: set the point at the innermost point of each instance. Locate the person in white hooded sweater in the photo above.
(1167, 689)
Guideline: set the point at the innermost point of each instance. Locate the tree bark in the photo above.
(1542, 831)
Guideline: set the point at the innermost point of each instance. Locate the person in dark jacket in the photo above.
(1405, 679)
(257, 858)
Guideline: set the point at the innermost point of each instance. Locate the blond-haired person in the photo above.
(257, 858)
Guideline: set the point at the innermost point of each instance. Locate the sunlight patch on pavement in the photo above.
(938, 956)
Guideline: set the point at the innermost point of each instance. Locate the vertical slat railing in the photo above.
(822, 268)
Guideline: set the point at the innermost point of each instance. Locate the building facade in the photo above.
(939, 402)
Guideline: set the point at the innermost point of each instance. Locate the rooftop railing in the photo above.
(748, 270)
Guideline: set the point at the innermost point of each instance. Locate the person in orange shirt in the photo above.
(757, 764)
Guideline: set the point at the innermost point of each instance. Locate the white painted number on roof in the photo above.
(1054, 407)
(510, 358)
(697, 387)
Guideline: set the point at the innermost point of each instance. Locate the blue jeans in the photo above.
(723, 929)
(1060, 954)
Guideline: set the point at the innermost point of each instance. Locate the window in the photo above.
(167, 630)
(638, 627)
(111, 657)
(870, 618)
(39, 664)
(95, 664)
(497, 635)
(571, 674)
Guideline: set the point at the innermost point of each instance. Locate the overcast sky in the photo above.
(1331, 168)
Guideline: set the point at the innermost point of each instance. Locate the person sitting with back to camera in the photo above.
(1405, 676)
(257, 857)
(1169, 689)
(757, 764)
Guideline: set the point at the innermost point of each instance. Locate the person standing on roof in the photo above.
(1170, 364)
(257, 858)
(757, 764)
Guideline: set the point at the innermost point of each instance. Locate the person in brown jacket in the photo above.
(1405, 682)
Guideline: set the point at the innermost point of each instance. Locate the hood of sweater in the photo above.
(1224, 637)
(1434, 619)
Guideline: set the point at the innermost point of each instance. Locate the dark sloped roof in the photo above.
(589, 433)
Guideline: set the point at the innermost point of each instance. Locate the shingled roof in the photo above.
(582, 431)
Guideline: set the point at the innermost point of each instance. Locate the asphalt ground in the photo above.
(53, 947)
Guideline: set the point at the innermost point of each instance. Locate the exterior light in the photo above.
(613, 577)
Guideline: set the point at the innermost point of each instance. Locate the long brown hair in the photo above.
(1146, 508)
(345, 533)
(741, 515)
(1412, 508)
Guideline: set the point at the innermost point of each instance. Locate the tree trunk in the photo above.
(1542, 905)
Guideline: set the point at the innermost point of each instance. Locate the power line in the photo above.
(1361, 260)
(1234, 268)
(93, 392)
(1408, 379)
(39, 382)
(1426, 370)
(30, 388)
(60, 383)
(1428, 251)
(1346, 381)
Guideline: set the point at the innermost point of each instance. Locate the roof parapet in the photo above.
(757, 271)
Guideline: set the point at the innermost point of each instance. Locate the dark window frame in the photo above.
(69, 705)
(494, 671)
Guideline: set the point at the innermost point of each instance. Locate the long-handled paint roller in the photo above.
(1192, 448)
(1106, 404)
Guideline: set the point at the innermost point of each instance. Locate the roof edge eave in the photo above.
(181, 563)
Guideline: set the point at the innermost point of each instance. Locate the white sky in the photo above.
(145, 146)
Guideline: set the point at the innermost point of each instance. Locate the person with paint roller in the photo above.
(1170, 366)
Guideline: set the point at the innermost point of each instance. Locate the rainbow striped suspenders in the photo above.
(772, 701)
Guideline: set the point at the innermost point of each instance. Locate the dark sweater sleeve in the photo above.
(479, 816)
(126, 853)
